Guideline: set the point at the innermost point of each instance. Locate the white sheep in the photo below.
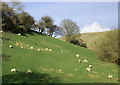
(1, 31)
(88, 69)
(60, 70)
(50, 50)
(31, 47)
(28, 71)
(13, 70)
(76, 69)
(62, 51)
(10, 46)
(21, 47)
(90, 66)
(79, 61)
(46, 48)
(85, 61)
(39, 50)
(77, 55)
(110, 76)
(17, 44)
(19, 33)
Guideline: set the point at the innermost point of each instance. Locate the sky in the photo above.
(89, 16)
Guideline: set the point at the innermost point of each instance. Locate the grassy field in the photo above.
(46, 64)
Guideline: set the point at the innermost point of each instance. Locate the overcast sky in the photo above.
(89, 16)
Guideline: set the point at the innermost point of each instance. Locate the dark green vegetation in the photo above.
(46, 64)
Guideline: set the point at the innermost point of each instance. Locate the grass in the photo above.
(50, 62)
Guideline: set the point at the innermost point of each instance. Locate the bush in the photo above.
(76, 41)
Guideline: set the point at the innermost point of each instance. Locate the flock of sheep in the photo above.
(77, 55)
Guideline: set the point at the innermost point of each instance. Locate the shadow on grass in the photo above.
(21, 77)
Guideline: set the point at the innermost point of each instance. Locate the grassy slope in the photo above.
(51, 62)
(90, 38)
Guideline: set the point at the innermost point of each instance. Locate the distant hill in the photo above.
(58, 65)
(90, 38)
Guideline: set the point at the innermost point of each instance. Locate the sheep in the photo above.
(19, 33)
(88, 69)
(76, 69)
(85, 61)
(77, 55)
(110, 76)
(62, 51)
(31, 47)
(28, 71)
(13, 70)
(39, 50)
(10, 46)
(17, 44)
(50, 50)
(79, 61)
(90, 66)
(1, 31)
(60, 70)
(21, 47)
(46, 48)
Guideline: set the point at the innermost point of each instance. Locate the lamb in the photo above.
(13, 70)
(19, 33)
(90, 66)
(77, 55)
(21, 47)
(28, 71)
(17, 44)
(1, 31)
(50, 50)
(10, 46)
(60, 70)
(62, 51)
(79, 61)
(46, 48)
(110, 76)
(31, 48)
(85, 61)
(88, 69)
(39, 50)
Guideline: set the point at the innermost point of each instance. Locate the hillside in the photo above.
(90, 38)
(46, 64)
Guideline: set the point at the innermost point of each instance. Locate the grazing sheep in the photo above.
(13, 70)
(17, 44)
(79, 61)
(19, 33)
(110, 76)
(21, 47)
(76, 69)
(28, 71)
(39, 50)
(31, 48)
(88, 69)
(50, 50)
(60, 70)
(77, 55)
(90, 66)
(62, 51)
(85, 61)
(1, 31)
(46, 48)
(10, 46)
